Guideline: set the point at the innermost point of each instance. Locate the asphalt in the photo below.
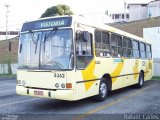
(119, 104)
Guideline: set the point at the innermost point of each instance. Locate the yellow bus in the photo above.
(70, 58)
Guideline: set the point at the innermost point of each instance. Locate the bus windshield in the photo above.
(46, 50)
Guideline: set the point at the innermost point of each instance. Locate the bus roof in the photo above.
(66, 21)
(82, 20)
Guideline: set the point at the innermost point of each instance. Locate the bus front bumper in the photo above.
(52, 94)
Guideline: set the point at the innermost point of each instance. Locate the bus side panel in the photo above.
(113, 67)
(147, 67)
(131, 71)
(86, 85)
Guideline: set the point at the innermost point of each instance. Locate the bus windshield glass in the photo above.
(46, 50)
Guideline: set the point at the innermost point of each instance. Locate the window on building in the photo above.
(122, 16)
(113, 16)
(127, 16)
(116, 16)
(102, 43)
(3, 33)
(13, 33)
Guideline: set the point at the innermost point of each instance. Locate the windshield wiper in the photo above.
(52, 32)
(36, 44)
(35, 41)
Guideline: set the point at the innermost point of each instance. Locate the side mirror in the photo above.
(20, 48)
(86, 36)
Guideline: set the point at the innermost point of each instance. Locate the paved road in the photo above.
(127, 100)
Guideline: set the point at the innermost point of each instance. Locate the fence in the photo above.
(4, 68)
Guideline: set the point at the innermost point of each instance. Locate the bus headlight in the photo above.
(56, 85)
(63, 85)
(23, 82)
(19, 82)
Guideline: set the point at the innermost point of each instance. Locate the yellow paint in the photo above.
(117, 71)
(146, 70)
(135, 69)
(88, 74)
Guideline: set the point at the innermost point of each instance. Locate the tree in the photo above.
(60, 9)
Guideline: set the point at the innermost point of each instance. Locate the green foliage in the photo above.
(8, 76)
(155, 78)
(60, 9)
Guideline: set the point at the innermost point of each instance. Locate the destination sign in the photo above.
(47, 23)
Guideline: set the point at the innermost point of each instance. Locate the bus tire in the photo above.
(103, 91)
(140, 80)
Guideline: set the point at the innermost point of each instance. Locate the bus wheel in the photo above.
(103, 91)
(141, 80)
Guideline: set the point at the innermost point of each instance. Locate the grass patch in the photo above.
(155, 78)
(8, 76)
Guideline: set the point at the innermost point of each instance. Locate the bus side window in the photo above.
(83, 50)
(102, 43)
(135, 46)
(142, 50)
(120, 49)
(148, 51)
(127, 47)
(116, 45)
(114, 48)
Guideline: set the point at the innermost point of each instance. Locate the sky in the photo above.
(21, 11)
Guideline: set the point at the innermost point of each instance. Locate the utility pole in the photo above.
(124, 10)
(9, 41)
(7, 6)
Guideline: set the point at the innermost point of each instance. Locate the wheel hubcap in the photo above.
(141, 80)
(103, 89)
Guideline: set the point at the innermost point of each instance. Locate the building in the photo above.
(11, 34)
(154, 8)
(139, 11)
(119, 17)
(153, 35)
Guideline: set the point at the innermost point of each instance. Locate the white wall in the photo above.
(3, 37)
(154, 8)
(156, 66)
(153, 36)
(137, 12)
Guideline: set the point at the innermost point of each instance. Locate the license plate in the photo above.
(36, 92)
